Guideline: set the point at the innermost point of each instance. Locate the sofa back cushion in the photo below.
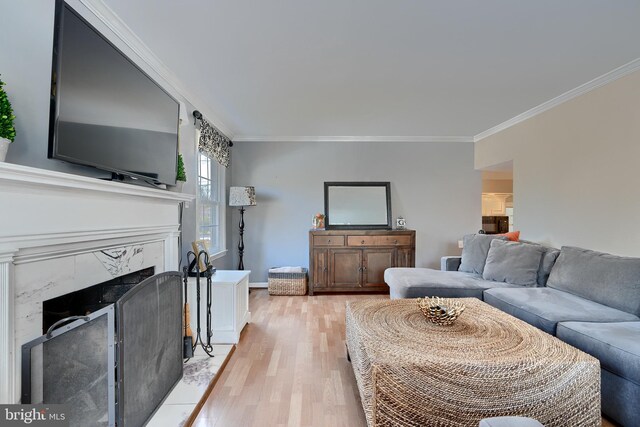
(475, 248)
(513, 262)
(546, 264)
(607, 279)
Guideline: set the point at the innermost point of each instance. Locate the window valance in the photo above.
(213, 144)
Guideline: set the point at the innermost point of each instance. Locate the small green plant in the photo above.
(181, 175)
(7, 129)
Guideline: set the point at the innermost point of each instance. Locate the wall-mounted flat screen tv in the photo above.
(105, 111)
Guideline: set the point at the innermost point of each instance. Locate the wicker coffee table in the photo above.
(411, 372)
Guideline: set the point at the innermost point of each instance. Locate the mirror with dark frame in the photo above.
(357, 205)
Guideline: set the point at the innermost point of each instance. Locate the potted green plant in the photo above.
(7, 128)
(181, 175)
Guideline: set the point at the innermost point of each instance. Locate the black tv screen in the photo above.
(105, 111)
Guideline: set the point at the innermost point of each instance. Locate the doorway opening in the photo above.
(497, 199)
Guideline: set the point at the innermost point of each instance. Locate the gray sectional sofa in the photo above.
(589, 299)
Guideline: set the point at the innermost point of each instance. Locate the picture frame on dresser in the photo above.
(357, 205)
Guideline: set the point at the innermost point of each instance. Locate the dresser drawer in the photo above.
(400, 240)
(328, 240)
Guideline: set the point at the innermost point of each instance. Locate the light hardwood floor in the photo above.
(290, 368)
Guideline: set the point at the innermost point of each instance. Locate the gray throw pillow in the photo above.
(608, 279)
(475, 248)
(513, 262)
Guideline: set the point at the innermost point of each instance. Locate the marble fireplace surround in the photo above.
(60, 233)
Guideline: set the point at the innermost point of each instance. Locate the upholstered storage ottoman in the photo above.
(288, 283)
(411, 372)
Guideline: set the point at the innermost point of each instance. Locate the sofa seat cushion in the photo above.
(420, 282)
(545, 307)
(616, 344)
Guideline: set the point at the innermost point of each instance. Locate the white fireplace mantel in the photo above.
(53, 226)
(42, 178)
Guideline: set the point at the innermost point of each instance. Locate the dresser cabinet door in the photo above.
(375, 262)
(405, 257)
(320, 268)
(345, 268)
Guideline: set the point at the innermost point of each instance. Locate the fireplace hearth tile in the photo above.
(172, 415)
(199, 371)
(220, 351)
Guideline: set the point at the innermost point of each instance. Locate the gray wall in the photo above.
(433, 185)
(575, 170)
(25, 66)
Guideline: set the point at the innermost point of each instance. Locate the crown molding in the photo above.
(604, 79)
(109, 18)
(249, 138)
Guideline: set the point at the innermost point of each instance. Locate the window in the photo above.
(210, 204)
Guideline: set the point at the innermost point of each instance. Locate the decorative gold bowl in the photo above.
(442, 311)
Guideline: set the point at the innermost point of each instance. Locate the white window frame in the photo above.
(221, 206)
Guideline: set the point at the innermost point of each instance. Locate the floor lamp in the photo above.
(242, 196)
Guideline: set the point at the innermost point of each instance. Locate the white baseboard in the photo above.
(259, 285)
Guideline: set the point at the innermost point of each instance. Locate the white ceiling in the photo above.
(380, 68)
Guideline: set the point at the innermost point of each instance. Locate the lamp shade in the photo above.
(242, 196)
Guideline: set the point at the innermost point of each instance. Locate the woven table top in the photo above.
(397, 332)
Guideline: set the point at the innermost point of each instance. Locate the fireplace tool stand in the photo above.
(198, 340)
(187, 343)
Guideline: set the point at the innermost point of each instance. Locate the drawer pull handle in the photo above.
(395, 242)
(362, 242)
(329, 241)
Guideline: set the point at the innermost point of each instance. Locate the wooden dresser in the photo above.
(355, 260)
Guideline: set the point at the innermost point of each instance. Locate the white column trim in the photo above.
(7, 344)
(171, 252)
